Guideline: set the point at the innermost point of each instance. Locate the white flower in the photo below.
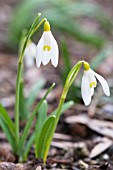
(89, 83)
(30, 54)
(47, 48)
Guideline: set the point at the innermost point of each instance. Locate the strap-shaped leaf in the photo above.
(7, 132)
(42, 116)
(24, 113)
(30, 121)
(28, 147)
(45, 138)
(4, 115)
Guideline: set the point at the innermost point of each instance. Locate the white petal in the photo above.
(103, 83)
(32, 49)
(92, 91)
(54, 51)
(45, 57)
(29, 60)
(39, 51)
(85, 89)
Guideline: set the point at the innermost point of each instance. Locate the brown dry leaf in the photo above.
(67, 145)
(62, 145)
(104, 128)
(100, 147)
(60, 136)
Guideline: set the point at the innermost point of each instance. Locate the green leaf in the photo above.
(24, 113)
(30, 121)
(34, 92)
(4, 115)
(7, 132)
(45, 138)
(28, 146)
(42, 116)
(65, 106)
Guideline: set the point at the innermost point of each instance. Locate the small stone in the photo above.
(105, 157)
(38, 168)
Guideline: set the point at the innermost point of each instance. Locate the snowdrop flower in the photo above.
(30, 54)
(47, 48)
(89, 83)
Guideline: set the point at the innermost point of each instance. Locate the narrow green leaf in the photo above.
(42, 116)
(7, 119)
(28, 146)
(24, 113)
(30, 121)
(45, 138)
(8, 133)
(65, 106)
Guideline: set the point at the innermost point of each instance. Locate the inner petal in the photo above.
(93, 84)
(46, 48)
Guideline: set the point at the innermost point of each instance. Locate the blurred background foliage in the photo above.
(68, 19)
(64, 16)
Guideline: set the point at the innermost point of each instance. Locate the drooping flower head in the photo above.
(89, 82)
(30, 54)
(47, 48)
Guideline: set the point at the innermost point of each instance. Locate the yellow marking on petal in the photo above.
(46, 48)
(93, 84)
(46, 26)
(86, 66)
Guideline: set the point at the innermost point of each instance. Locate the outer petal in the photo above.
(85, 89)
(30, 53)
(103, 83)
(39, 52)
(29, 61)
(32, 48)
(54, 51)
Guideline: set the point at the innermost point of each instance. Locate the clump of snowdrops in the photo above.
(45, 126)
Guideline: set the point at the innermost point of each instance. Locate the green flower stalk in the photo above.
(32, 30)
(49, 128)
